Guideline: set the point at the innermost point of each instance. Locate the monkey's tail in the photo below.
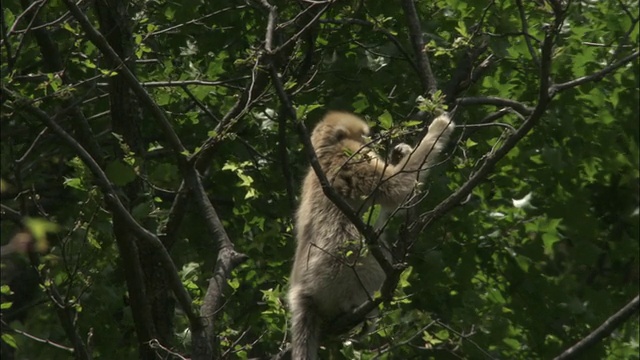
(305, 328)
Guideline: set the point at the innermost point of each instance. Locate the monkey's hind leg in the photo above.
(305, 328)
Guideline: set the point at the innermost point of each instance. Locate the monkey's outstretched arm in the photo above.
(390, 184)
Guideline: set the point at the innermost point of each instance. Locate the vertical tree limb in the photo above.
(148, 291)
(112, 199)
(427, 80)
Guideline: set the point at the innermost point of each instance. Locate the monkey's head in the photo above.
(337, 127)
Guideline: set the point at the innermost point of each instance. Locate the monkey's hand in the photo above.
(442, 125)
(399, 151)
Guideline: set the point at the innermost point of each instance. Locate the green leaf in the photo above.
(548, 239)
(39, 228)
(523, 262)
(371, 215)
(385, 120)
(9, 340)
(75, 183)
(303, 110)
(120, 173)
(361, 104)
(513, 343)
(169, 13)
(495, 296)
(411, 123)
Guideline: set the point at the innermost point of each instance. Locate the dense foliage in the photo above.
(148, 146)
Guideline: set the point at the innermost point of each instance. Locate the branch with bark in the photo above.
(546, 91)
(228, 258)
(602, 331)
(112, 198)
(427, 80)
(495, 101)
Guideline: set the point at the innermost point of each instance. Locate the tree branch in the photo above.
(112, 198)
(171, 83)
(195, 21)
(227, 260)
(37, 339)
(365, 230)
(597, 76)
(283, 154)
(427, 79)
(604, 330)
(227, 256)
(525, 32)
(8, 213)
(495, 101)
(492, 158)
(101, 43)
(375, 27)
(466, 74)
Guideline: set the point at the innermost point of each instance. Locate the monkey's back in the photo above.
(330, 255)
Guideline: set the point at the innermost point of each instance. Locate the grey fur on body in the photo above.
(331, 272)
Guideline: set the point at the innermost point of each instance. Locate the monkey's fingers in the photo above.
(442, 125)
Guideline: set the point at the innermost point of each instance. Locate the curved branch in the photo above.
(604, 330)
(597, 76)
(496, 101)
(29, 336)
(492, 159)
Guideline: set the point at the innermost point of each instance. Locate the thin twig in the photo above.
(155, 344)
(9, 213)
(466, 338)
(175, 27)
(37, 339)
(38, 3)
(32, 146)
(304, 29)
(496, 101)
(169, 83)
(384, 31)
(507, 126)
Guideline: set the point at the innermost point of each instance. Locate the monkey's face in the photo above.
(353, 130)
(340, 128)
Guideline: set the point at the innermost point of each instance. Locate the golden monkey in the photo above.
(331, 273)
